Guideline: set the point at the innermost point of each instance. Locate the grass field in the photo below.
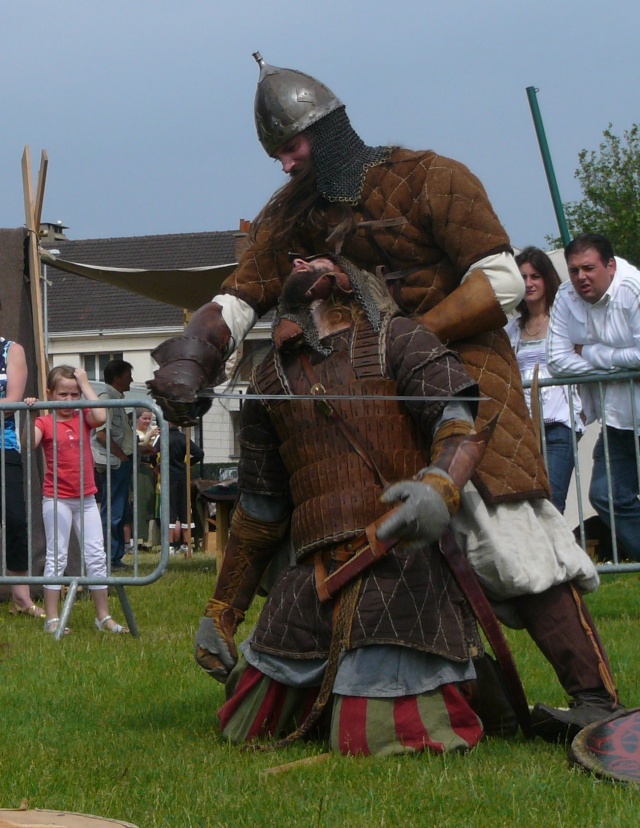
(126, 728)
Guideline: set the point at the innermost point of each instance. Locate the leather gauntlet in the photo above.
(471, 309)
(189, 363)
(249, 550)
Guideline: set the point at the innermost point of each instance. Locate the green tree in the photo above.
(610, 183)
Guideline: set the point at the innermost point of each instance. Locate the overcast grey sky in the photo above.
(145, 107)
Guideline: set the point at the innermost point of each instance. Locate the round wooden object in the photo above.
(611, 749)
(35, 818)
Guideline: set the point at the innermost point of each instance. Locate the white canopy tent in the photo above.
(189, 287)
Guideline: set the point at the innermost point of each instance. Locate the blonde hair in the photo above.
(59, 372)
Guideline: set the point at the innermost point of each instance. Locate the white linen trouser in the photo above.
(87, 520)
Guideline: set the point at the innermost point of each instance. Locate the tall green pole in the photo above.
(548, 166)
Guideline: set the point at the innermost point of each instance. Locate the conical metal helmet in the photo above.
(288, 102)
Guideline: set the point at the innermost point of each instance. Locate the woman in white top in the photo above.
(528, 333)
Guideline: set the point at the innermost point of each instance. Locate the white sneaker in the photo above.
(184, 547)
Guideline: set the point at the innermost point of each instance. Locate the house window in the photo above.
(94, 364)
(253, 352)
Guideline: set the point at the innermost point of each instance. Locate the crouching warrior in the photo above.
(381, 654)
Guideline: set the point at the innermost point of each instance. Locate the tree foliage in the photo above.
(610, 183)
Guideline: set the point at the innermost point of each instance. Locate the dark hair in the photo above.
(590, 241)
(298, 204)
(115, 368)
(543, 265)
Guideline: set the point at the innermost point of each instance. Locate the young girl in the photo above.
(65, 383)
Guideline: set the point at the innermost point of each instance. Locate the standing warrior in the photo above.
(447, 259)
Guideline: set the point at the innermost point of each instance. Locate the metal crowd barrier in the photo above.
(582, 475)
(73, 582)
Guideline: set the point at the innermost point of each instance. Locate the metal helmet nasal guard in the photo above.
(288, 102)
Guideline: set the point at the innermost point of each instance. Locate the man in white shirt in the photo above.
(595, 328)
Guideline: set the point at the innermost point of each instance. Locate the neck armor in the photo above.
(289, 102)
(341, 158)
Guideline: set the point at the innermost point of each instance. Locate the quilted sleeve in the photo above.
(423, 367)
(257, 280)
(455, 207)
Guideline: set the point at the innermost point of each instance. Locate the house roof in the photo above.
(77, 304)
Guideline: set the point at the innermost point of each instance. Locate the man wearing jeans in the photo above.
(117, 377)
(595, 328)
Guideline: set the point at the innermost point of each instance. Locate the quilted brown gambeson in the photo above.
(428, 219)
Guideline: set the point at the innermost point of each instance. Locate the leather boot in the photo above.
(490, 700)
(553, 724)
(560, 623)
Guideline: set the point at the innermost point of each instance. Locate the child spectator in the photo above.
(65, 383)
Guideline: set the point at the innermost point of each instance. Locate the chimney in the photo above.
(50, 232)
(241, 238)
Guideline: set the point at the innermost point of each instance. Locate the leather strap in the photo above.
(461, 465)
(367, 549)
(468, 583)
(331, 412)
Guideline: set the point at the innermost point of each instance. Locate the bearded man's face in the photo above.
(295, 154)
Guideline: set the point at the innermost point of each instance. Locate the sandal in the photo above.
(104, 626)
(51, 626)
(33, 611)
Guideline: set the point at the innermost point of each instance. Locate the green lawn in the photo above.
(126, 728)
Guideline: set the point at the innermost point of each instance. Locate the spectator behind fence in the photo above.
(595, 328)
(528, 333)
(69, 491)
(117, 377)
(13, 380)
(179, 519)
(147, 435)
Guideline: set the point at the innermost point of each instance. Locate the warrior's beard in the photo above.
(302, 287)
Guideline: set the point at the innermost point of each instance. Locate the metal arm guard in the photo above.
(189, 363)
(471, 309)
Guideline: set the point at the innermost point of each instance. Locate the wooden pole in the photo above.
(33, 212)
(186, 315)
(187, 433)
(298, 763)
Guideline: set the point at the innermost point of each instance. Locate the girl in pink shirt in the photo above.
(68, 499)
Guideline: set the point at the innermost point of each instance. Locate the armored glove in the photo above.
(186, 366)
(215, 648)
(425, 511)
(433, 496)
